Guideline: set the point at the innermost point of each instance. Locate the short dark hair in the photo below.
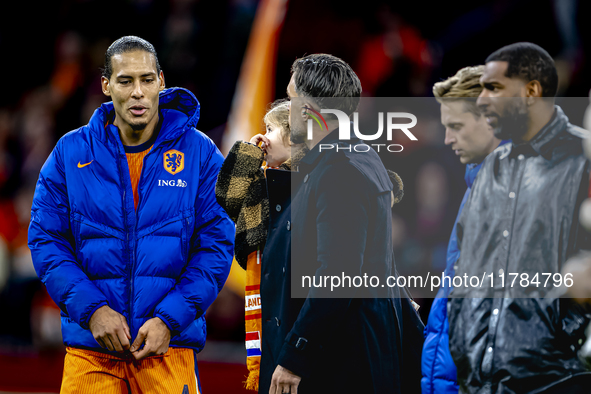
(124, 45)
(529, 62)
(322, 76)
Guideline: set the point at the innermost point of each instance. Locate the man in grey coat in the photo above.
(518, 227)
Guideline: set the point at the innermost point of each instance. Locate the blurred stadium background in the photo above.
(235, 55)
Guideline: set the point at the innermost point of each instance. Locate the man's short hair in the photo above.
(323, 77)
(464, 85)
(124, 45)
(529, 62)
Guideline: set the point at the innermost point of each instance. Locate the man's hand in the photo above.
(284, 381)
(156, 336)
(110, 329)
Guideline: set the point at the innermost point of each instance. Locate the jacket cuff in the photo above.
(167, 323)
(244, 160)
(244, 151)
(172, 325)
(85, 321)
(298, 355)
(246, 148)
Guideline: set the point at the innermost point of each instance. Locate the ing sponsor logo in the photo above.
(172, 183)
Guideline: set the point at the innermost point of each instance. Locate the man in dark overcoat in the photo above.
(329, 339)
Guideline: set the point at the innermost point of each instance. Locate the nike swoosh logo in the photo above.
(83, 165)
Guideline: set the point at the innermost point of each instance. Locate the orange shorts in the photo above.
(86, 371)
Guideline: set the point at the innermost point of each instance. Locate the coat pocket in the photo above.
(98, 248)
(187, 233)
(162, 248)
(75, 226)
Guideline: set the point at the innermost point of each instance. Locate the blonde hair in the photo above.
(278, 116)
(464, 85)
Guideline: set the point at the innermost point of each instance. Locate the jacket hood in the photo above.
(179, 108)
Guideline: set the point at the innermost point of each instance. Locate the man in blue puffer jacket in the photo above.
(472, 140)
(127, 235)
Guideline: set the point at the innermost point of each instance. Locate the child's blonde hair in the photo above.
(278, 116)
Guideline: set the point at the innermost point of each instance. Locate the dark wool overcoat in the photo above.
(332, 218)
(518, 227)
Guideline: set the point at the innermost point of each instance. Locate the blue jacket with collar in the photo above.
(91, 247)
(438, 368)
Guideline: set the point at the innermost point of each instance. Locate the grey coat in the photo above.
(521, 218)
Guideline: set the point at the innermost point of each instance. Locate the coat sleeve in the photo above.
(210, 255)
(239, 170)
(342, 228)
(52, 245)
(581, 235)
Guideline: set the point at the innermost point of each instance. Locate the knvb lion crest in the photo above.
(174, 161)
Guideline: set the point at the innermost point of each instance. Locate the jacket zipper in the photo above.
(139, 200)
(131, 267)
(132, 249)
(135, 215)
(133, 246)
(128, 246)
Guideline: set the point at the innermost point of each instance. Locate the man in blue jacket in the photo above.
(127, 235)
(472, 139)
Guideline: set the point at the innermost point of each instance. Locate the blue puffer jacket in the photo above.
(438, 368)
(90, 247)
